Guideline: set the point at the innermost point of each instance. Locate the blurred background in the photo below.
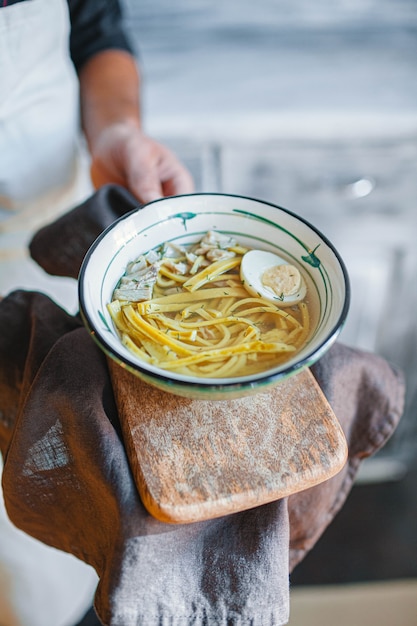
(313, 106)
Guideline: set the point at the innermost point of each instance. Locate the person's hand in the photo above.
(124, 155)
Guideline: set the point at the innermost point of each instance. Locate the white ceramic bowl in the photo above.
(185, 219)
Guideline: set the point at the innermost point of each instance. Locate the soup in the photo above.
(207, 311)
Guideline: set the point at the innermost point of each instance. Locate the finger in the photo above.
(181, 182)
(144, 182)
(155, 171)
(176, 178)
(149, 183)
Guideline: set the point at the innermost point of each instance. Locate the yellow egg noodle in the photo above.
(187, 311)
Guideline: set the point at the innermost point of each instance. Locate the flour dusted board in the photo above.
(198, 459)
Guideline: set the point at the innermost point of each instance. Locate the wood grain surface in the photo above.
(198, 459)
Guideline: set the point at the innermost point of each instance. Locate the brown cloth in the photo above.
(67, 481)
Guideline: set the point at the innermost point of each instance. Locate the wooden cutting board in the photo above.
(198, 459)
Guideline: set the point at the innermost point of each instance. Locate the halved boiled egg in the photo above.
(267, 275)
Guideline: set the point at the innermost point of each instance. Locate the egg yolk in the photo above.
(284, 280)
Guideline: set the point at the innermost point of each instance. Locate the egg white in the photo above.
(253, 265)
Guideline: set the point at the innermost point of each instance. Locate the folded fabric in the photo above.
(68, 483)
(67, 480)
(59, 247)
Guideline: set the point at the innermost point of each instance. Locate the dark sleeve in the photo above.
(96, 25)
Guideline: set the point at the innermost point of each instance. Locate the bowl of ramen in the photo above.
(213, 296)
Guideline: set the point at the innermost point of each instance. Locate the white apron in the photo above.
(41, 176)
(42, 173)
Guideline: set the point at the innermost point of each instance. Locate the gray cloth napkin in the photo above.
(67, 480)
